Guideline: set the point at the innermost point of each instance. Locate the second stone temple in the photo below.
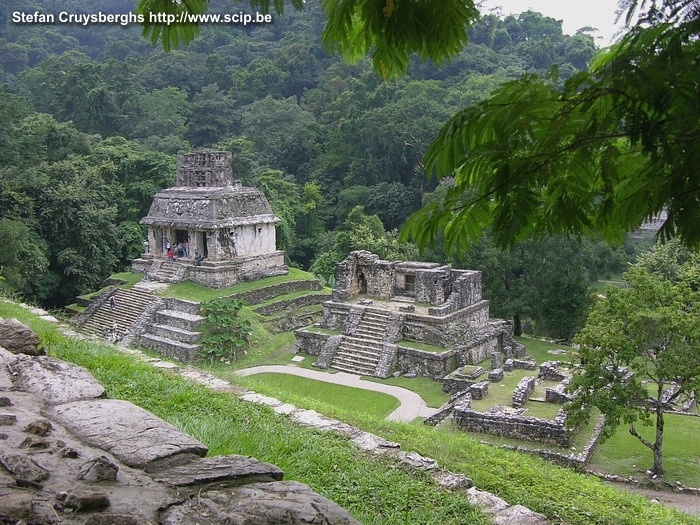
(220, 232)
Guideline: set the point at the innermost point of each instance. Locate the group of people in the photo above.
(181, 249)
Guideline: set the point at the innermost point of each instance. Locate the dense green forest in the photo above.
(94, 117)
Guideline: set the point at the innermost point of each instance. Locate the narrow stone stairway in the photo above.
(166, 271)
(360, 353)
(129, 305)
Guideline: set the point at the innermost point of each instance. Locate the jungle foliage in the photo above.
(95, 115)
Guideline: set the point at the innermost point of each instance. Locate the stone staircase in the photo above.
(129, 306)
(361, 352)
(166, 272)
(173, 331)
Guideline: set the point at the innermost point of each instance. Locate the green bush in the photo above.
(225, 334)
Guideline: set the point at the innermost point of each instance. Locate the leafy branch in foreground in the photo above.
(616, 145)
(225, 334)
(391, 30)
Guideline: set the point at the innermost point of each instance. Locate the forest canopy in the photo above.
(95, 116)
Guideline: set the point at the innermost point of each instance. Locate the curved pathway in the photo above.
(411, 407)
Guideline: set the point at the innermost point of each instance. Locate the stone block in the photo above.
(479, 390)
(524, 364)
(508, 365)
(496, 375)
(17, 338)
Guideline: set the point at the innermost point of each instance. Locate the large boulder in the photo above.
(18, 338)
(70, 456)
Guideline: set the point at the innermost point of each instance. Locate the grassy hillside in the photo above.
(375, 491)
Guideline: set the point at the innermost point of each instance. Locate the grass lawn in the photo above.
(422, 346)
(542, 351)
(305, 393)
(429, 390)
(624, 455)
(374, 490)
(131, 278)
(197, 292)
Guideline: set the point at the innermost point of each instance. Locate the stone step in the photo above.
(372, 325)
(361, 360)
(345, 360)
(365, 354)
(379, 329)
(174, 333)
(129, 305)
(360, 342)
(179, 319)
(376, 316)
(363, 333)
(186, 352)
(351, 369)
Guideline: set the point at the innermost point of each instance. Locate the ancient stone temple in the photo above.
(220, 231)
(412, 317)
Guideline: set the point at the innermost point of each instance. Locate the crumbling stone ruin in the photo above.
(467, 384)
(69, 455)
(220, 232)
(405, 316)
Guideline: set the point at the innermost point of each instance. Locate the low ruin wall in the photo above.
(520, 427)
(311, 343)
(426, 364)
(270, 292)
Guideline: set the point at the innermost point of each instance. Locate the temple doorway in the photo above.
(363, 283)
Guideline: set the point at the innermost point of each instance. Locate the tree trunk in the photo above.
(658, 468)
(517, 326)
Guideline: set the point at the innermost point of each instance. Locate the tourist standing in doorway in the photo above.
(171, 255)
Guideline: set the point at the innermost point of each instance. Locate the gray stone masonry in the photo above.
(174, 332)
(298, 302)
(552, 371)
(524, 364)
(558, 394)
(522, 392)
(70, 456)
(505, 422)
(330, 348)
(461, 399)
(275, 290)
(496, 375)
(479, 390)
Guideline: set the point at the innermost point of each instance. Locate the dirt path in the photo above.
(688, 503)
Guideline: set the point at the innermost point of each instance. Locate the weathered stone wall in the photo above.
(335, 314)
(269, 292)
(551, 370)
(298, 302)
(425, 364)
(433, 286)
(227, 273)
(204, 169)
(522, 392)
(311, 343)
(521, 427)
(465, 290)
(478, 348)
(449, 330)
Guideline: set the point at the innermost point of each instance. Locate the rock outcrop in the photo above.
(68, 455)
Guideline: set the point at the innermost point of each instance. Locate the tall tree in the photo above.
(639, 353)
(616, 145)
